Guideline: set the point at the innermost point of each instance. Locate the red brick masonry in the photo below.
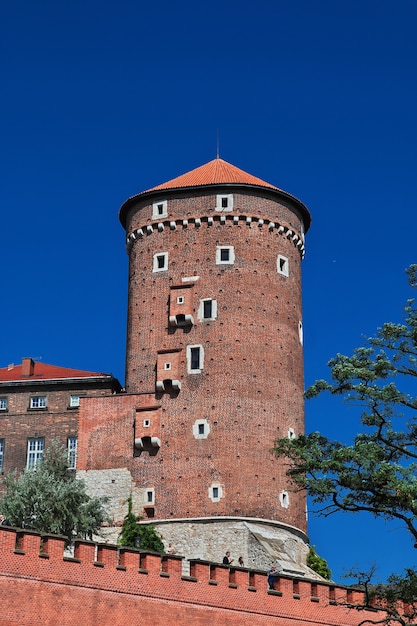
(112, 586)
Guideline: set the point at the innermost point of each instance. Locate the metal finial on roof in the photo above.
(218, 146)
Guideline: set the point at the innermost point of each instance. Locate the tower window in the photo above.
(207, 309)
(149, 496)
(3, 404)
(167, 366)
(195, 359)
(225, 254)
(282, 265)
(224, 202)
(160, 261)
(159, 209)
(201, 429)
(215, 492)
(1, 455)
(180, 300)
(284, 499)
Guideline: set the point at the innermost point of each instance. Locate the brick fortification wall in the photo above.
(105, 585)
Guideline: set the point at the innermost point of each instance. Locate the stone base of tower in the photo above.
(261, 543)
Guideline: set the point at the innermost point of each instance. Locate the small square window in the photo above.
(167, 366)
(159, 209)
(282, 265)
(225, 254)
(180, 300)
(38, 402)
(207, 309)
(160, 262)
(224, 202)
(74, 401)
(3, 404)
(146, 423)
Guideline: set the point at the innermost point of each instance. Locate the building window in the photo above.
(300, 332)
(225, 255)
(1, 455)
(201, 429)
(195, 359)
(146, 423)
(35, 452)
(38, 402)
(160, 262)
(74, 401)
(291, 433)
(72, 452)
(3, 404)
(180, 300)
(167, 366)
(284, 499)
(215, 492)
(150, 496)
(282, 265)
(207, 310)
(224, 202)
(159, 209)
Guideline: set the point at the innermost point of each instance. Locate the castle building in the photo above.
(39, 403)
(214, 368)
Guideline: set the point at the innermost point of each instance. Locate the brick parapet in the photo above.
(232, 595)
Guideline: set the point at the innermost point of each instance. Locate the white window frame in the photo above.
(3, 404)
(72, 448)
(196, 429)
(38, 402)
(156, 267)
(189, 359)
(291, 433)
(1, 455)
(155, 209)
(146, 422)
(211, 495)
(35, 450)
(284, 499)
(180, 300)
(167, 366)
(231, 259)
(74, 400)
(149, 500)
(282, 265)
(219, 202)
(213, 310)
(300, 332)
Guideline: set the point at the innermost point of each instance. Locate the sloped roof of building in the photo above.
(215, 172)
(43, 371)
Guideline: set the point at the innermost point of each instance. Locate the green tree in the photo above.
(318, 564)
(134, 535)
(377, 472)
(50, 499)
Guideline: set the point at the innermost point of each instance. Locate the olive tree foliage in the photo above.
(377, 472)
(50, 499)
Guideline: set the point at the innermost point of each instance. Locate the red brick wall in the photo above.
(115, 588)
(251, 388)
(19, 422)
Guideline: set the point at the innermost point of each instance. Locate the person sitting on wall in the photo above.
(241, 562)
(271, 576)
(226, 559)
(4, 521)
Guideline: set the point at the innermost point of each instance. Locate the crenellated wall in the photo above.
(112, 586)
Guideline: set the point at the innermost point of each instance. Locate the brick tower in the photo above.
(214, 362)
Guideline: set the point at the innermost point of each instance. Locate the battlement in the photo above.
(100, 574)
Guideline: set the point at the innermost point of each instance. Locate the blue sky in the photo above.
(103, 99)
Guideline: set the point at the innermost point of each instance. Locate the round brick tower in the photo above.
(215, 358)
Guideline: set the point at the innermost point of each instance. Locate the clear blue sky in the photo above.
(103, 99)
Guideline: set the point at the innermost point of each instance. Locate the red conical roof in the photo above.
(214, 172)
